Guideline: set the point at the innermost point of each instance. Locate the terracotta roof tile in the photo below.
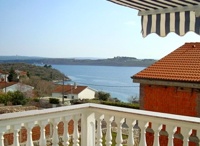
(183, 64)
(3, 72)
(6, 84)
(69, 89)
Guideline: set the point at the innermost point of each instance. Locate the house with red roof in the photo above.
(74, 92)
(3, 76)
(16, 86)
(172, 84)
(20, 73)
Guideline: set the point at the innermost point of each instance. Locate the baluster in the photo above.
(76, 132)
(16, 135)
(99, 118)
(119, 138)
(171, 130)
(198, 135)
(88, 128)
(29, 127)
(42, 125)
(186, 132)
(143, 125)
(2, 131)
(109, 120)
(55, 139)
(131, 124)
(2, 138)
(66, 133)
(156, 128)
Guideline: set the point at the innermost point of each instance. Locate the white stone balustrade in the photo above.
(88, 118)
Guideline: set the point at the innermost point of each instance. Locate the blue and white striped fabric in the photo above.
(165, 16)
(178, 22)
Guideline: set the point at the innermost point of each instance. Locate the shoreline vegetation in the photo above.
(116, 61)
(44, 79)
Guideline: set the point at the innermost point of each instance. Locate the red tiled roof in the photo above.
(6, 84)
(21, 73)
(183, 64)
(3, 72)
(69, 89)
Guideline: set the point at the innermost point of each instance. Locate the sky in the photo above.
(83, 28)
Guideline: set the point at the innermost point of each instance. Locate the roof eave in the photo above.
(166, 82)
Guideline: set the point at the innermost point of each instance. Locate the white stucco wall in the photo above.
(4, 77)
(87, 94)
(19, 87)
(69, 96)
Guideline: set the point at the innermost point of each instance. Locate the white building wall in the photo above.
(19, 87)
(10, 88)
(69, 96)
(87, 94)
(4, 77)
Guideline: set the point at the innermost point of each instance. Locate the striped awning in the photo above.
(165, 16)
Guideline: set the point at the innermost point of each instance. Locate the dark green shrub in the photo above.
(17, 98)
(36, 99)
(4, 99)
(53, 100)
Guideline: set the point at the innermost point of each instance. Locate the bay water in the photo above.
(111, 79)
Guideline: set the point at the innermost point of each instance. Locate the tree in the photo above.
(4, 98)
(12, 76)
(115, 99)
(103, 96)
(47, 66)
(133, 99)
(28, 74)
(41, 87)
(17, 98)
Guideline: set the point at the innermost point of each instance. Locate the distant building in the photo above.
(16, 86)
(20, 73)
(3, 76)
(74, 92)
(172, 84)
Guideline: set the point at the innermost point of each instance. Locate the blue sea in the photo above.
(111, 79)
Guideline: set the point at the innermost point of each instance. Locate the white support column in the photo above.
(55, 139)
(29, 127)
(156, 128)
(16, 135)
(42, 125)
(130, 124)
(171, 130)
(66, 133)
(88, 128)
(119, 138)
(109, 120)
(143, 126)
(99, 118)
(186, 132)
(2, 131)
(76, 132)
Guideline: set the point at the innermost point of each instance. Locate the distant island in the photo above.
(116, 61)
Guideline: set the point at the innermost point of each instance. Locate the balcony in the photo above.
(94, 125)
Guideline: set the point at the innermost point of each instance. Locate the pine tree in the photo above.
(12, 76)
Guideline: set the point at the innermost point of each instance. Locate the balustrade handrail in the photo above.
(97, 108)
(89, 114)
